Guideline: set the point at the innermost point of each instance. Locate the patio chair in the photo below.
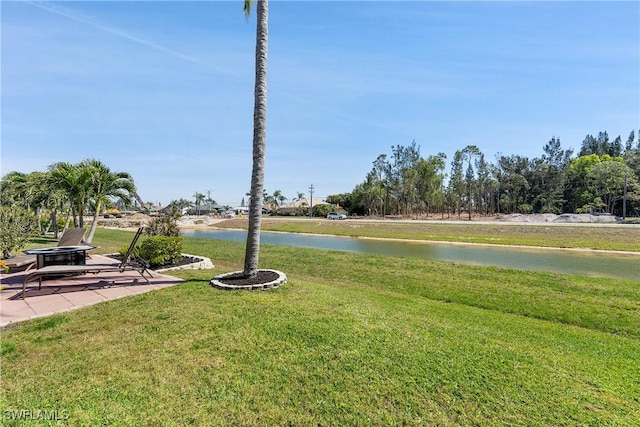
(127, 264)
(71, 237)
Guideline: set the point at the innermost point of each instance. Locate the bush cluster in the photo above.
(164, 244)
(17, 226)
(161, 250)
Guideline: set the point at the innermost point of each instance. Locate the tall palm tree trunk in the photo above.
(54, 221)
(94, 222)
(252, 251)
(67, 223)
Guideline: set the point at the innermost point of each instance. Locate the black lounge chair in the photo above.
(127, 264)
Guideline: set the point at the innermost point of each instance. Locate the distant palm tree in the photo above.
(252, 251)
(300, 196)
(105, 185)
(210, 203)
(176, 207)
(199, 199)
(278, 198)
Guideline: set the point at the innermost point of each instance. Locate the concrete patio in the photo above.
(59, 295)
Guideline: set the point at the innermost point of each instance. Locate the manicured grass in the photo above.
(617, 238)
(351, 339)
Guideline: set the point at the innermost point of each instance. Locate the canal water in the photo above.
(587, 263)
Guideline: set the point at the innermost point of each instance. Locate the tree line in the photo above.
(68, 188)
(595, 180)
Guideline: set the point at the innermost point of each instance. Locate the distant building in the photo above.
(299, 206)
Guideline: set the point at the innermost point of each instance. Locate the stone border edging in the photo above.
(281, 280)
(204, 264)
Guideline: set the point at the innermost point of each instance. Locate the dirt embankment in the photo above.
(191, 222)
(138, 220)
(560, 219)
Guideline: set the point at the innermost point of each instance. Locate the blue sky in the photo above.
(164, 90)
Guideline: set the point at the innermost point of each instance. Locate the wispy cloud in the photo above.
(85, 19)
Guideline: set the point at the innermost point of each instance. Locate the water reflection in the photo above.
(586, 263)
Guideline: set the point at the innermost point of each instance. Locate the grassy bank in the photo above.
(352, 339)
(621, 238)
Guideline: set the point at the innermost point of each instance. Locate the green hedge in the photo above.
(161, 250)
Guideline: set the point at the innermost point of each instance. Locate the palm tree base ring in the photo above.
(264, 279)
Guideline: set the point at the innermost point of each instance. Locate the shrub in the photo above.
(17, 226)
(62, 221)
(48, 224)
(161, 250)
(135, 253)
(163, 226)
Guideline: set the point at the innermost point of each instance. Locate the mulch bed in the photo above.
(263, 276)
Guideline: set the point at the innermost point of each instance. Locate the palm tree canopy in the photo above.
(105, 184)
(247, 7)
(75, 183)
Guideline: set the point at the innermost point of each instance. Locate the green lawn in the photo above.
(351, 339)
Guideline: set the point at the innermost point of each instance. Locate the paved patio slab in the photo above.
(59, 295)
